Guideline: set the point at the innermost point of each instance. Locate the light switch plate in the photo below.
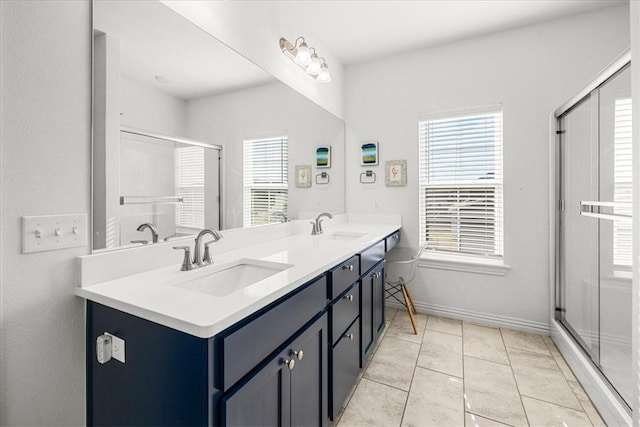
(50, 232)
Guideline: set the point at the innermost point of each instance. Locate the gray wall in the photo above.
(46, 158)
(531, 71)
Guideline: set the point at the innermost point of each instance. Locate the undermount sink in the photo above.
(232, 277)
(344, 235)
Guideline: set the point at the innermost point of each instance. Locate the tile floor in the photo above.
(455, 373)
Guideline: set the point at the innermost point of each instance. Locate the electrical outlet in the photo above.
(117, 347)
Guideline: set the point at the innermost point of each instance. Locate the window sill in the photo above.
(465, 264)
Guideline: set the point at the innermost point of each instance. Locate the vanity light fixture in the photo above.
(306, 58)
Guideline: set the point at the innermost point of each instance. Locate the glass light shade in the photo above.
(303, 57)
(314, 65)
(324, 75)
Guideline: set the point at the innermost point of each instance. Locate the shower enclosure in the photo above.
(593, 253)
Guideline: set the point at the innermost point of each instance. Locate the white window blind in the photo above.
(461, 190)
(622, 182)
(190, 186)
(265, 180)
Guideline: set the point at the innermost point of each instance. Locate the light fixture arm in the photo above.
(309, 55)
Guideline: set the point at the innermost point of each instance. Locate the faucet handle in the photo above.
(314, 230)
(206, 258)
(186, 262)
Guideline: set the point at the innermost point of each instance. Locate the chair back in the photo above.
(405, 269)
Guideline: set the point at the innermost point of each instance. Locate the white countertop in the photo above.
(156, 295)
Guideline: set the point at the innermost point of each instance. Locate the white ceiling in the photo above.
(154, 40)
(356, 31)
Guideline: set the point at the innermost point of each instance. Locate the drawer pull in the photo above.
(348, 297)
(348, 267)
(376, 275)
(299, 354)
(395, 236)
(349, 336)
(290, 364)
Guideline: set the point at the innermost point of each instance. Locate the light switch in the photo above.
(50, 232)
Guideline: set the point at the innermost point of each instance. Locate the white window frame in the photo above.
(278, 183)
(492, 263)
(190, 185)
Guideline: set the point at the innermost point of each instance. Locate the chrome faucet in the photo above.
(154, 230)
(204, 259)
(282, 215)
(317, 224)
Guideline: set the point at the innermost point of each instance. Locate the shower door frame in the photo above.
(591, 90)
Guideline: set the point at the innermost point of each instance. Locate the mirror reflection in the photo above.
(189, 134)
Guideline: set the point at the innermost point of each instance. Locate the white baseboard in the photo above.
(478, 317)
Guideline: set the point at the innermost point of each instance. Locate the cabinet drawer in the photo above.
(343, 276)
(344, 311)
(247, 344)
(346, 366)
(393, 240)
(372, 256)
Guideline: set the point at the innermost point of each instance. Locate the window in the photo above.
(461, 193)
(265, 180)
(622, 184)
(190, 186)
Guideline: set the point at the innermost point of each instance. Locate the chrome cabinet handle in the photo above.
(290, 364)
(376, 275)
(299, 354)
(348, 297)
(348, 267)
(395, 236)
(349, 336)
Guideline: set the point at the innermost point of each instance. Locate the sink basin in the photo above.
(344, 235)
(232, 277)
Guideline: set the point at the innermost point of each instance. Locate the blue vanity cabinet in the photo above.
(163, 382)
(290, 389)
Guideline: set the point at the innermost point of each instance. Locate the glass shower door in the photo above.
(579, 237)
(615, 190)
(595, 228)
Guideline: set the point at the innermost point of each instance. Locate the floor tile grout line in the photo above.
(515, 380)
(406, 402)
(486, 360)
(555, 359)
(556, 404)
(489, 418)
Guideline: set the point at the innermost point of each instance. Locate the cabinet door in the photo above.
(345, 366)
(372, 309)
(309, 391)
(366, 318)
(290, 390)
(263, 400)
(377, 284)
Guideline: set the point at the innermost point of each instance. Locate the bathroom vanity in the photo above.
(285, 350)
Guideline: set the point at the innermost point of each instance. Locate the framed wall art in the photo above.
(303, 176)
(395, 173)
(369, 153)
(323, 156)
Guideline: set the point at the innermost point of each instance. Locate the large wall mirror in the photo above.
(190, 134)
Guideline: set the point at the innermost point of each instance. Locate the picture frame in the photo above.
(303, 176)
(395, 173)
(369, 153)
(323, 156)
